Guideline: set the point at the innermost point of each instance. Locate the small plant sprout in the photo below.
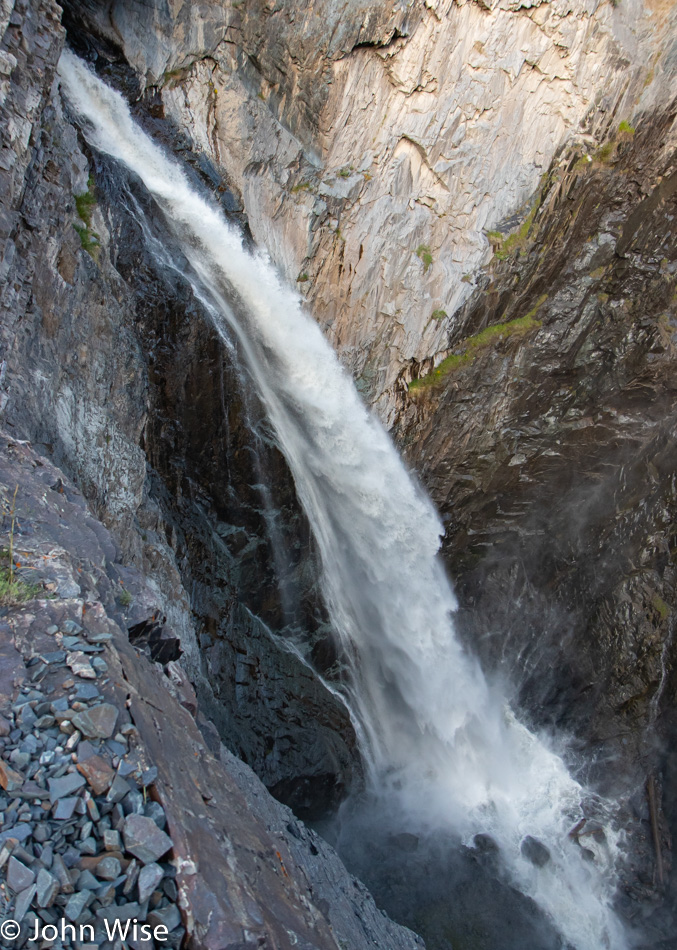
(424, 255)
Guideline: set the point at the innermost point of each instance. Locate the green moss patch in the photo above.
(506, 246)
(480, 341)
(84, 204)
(424, 255)
(660, 607)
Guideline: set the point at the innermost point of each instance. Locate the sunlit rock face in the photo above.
(375, 145)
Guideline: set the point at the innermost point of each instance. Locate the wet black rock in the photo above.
(535, 851)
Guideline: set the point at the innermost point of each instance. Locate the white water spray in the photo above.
(437, 742)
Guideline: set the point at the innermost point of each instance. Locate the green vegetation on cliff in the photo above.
(425, 256)
(468, 349)
(84, 204)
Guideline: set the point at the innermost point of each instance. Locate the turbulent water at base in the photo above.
(441, 748)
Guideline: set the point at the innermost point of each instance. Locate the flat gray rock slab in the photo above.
(61, 787)
(149, 878)
(97, 722)
(20, 832)
(144, 839)
(48, 888)
(19, 877)
(64, 809)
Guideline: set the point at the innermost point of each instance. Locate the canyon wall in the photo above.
(112, 368)
(477, 201)
(375, 146)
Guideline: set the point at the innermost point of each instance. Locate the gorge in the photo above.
(175, 378)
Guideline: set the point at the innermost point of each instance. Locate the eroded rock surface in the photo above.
(476, 196)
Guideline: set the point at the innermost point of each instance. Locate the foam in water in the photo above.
(440, 746)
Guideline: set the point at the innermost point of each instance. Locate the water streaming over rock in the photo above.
(440, 746)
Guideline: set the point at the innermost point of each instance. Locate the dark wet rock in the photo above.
(535, 851)
(594, 830)
(156, 639)
(405, 842)
(485, 844)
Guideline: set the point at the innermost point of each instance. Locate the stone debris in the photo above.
(61, 787)
(98, 722)
(9, 779)
(47, 887)
(19, 877)
(79, 838)
(144, 839)
(80, 665)
(98, 773)
(149, 878)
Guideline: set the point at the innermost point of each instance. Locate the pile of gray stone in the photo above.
(82, 842)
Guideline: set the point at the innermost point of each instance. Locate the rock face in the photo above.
(108, 364)
(477, 200)
(546, 441)
(375, 145)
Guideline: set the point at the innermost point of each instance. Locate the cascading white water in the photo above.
(437, 741)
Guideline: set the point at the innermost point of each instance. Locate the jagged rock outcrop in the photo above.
(546, 438)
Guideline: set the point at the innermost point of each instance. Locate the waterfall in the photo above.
(440, 745)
